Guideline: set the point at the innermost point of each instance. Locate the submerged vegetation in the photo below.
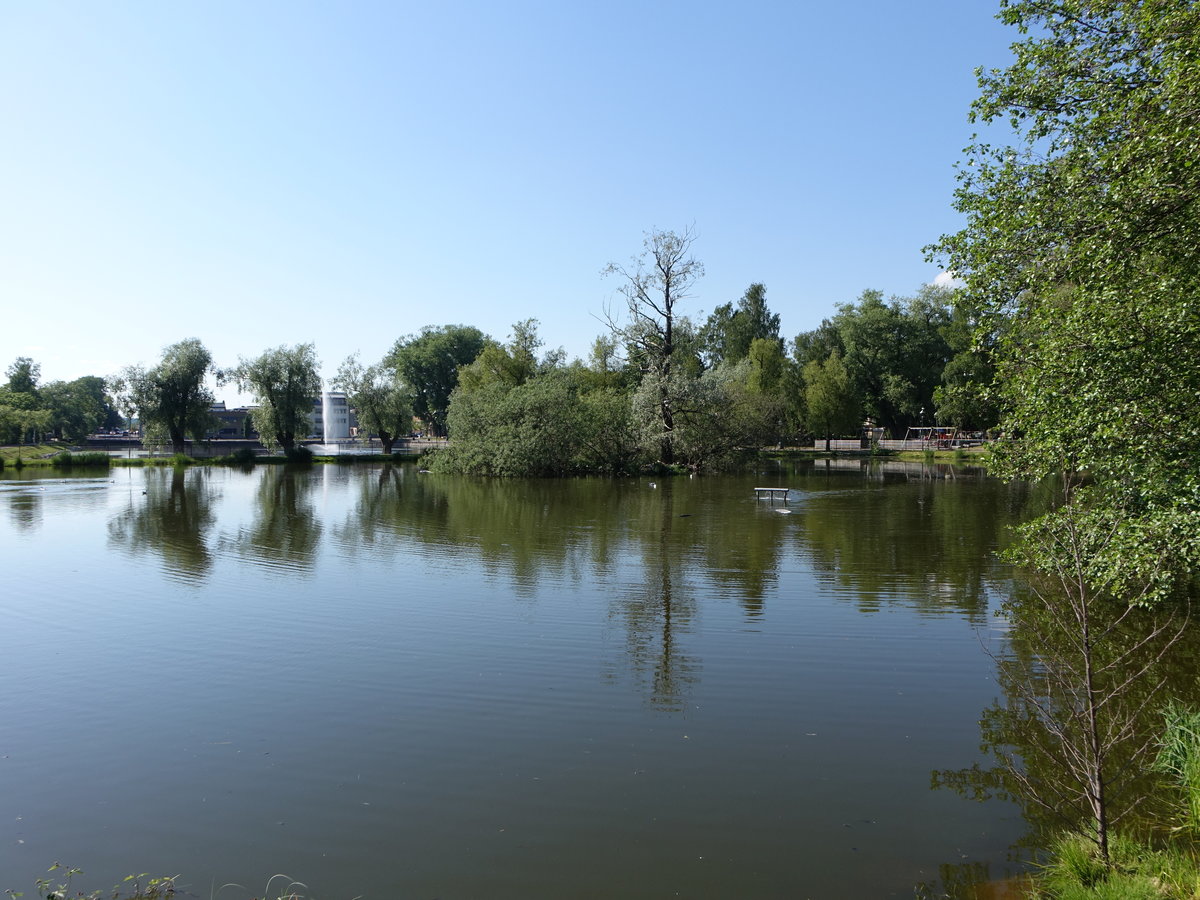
(61, 886)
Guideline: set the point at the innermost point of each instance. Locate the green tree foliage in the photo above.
(14, 409)
(895, 352)
(728, 333)
(831, 398)
(512, 364)
(717, 418)
(964, 398)
(609, 446)
(772, 388)
(654, 284)
(767, 365)
(382, 401)
(172, 398)
(79, 408)
(22, 414)
(818, 344)
(604, 367)
(545, 426)
(284, 382)
(23, 375)
(429, 362)
(21, 420)
(1082, 251)
(512, 414)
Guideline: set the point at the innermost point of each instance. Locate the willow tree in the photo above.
(285, 384)
(382, 401)
(171, 398)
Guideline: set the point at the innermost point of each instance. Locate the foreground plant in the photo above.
(134, 887)
(1179, 758)
(1136, 871)
(146, 887)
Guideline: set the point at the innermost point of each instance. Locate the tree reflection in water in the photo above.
(25, 507)
(172, 518)
(285, 533)
(658, 607)
(934, 550)
(537, 532)
(1036, 733)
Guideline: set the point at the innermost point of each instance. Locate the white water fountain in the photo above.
(334, 423)
(335, 411)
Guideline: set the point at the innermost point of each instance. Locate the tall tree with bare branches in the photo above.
(653, 285)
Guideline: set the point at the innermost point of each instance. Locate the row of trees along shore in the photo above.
(658, 387)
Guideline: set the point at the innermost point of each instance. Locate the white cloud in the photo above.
(948, 280)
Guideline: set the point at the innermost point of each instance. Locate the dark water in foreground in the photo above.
(398, 685)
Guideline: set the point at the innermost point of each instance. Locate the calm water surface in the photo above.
(393, 684)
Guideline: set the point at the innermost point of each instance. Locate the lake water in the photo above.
(392, 684)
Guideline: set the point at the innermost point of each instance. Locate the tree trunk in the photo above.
(666, 447)
(178, 440)
(1095, 745)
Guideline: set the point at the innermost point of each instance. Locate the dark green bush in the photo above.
(67, 460)
(243, 458)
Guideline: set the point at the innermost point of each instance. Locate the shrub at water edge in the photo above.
(68, 460)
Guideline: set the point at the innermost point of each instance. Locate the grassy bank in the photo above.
(969, 456)
(29, 454)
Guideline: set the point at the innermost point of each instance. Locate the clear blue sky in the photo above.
(260, 173)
